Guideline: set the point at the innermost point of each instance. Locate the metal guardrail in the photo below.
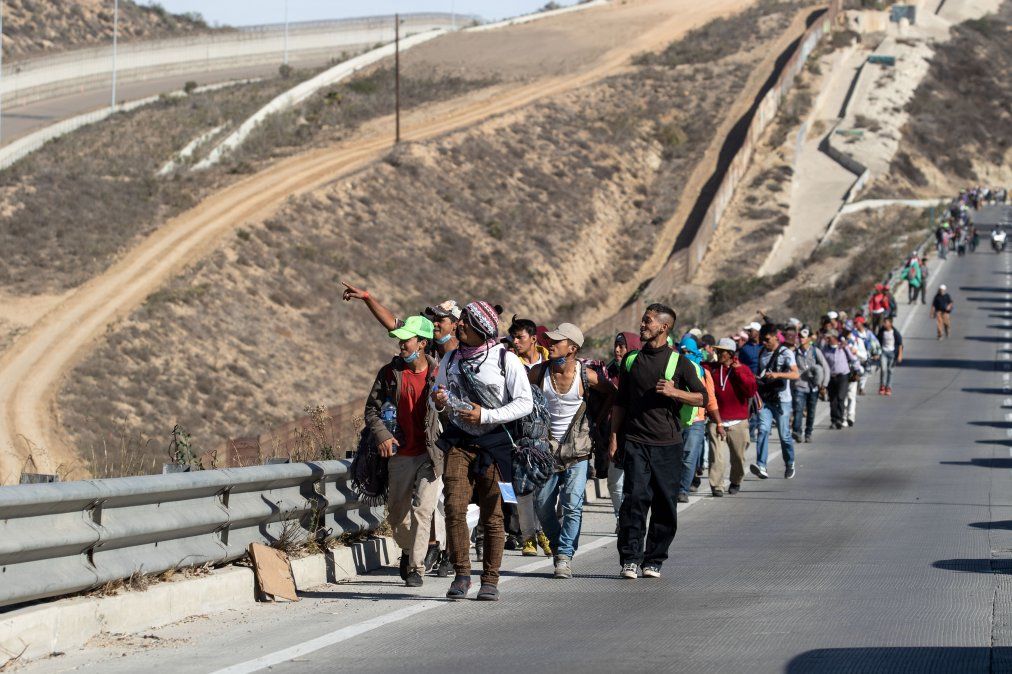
(61, 538)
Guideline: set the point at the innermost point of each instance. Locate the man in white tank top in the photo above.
(564, 381)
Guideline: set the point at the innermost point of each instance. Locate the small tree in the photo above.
(189, 87)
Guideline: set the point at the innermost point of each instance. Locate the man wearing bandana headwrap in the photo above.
(480, 386)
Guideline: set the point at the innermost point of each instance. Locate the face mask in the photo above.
(559, 362)
(444, 339)
(412, 358)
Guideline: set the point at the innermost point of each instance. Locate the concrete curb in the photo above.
(59, 626)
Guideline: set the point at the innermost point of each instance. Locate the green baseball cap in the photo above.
(415, 326)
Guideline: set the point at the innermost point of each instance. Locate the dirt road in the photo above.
(31, 370)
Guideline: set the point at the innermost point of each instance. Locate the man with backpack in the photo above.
(941, 311)
(481, 388)
(693, 421)
(841, 361)
(777, 369)
(813, 377)
(405, 428)
(566, 383)
(655, 383)
(444, 317)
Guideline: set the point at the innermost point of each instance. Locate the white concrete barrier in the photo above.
(302, 91)
(527, 18)
(35, 79)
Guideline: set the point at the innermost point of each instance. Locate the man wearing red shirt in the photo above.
(404, 428)
(733, 387)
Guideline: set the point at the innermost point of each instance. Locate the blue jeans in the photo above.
(570, 487)
(692, 447)
(886, 371)
(774, 410)
(804, 404)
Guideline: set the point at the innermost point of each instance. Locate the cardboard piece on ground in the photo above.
(273, 572)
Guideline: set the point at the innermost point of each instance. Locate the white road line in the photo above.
(345, 633)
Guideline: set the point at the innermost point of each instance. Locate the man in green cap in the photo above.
(405, 430)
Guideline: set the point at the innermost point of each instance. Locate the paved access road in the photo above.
(890, 552)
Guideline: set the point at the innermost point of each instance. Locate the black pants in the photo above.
(652, 474)
(838, 397)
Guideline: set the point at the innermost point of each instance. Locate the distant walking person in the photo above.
(941, 310)
(655, 383)
(814, 371)
(892, 355)
(733, 387)
(777, 368)
(840, 362)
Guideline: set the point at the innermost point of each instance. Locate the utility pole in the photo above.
(286, 32)
(115, 38)
(1, 68)
(397, 75)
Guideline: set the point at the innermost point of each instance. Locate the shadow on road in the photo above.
(986, 391)
(983, 289)
(950, 364)
(1006, 524)
(988, 565)
(991, 340)
(921, 659)
(983, 463)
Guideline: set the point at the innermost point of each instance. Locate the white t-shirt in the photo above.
(514, 390)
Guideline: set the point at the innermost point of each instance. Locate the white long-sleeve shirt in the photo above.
(514, 390)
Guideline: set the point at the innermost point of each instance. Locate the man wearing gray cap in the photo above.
(566, 383)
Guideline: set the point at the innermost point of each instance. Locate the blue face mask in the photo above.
(444, 339)
(412, 358)
(559, 362)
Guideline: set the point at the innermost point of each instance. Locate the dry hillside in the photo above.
(33, 27)
(960, 127)
(541, 210)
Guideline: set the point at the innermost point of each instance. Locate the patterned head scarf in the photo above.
(483, 317)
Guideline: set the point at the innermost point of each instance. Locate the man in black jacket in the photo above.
(941, 308)
(655, 383)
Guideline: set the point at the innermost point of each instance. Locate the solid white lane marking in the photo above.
(1008, 417)
(1007, 402)
(351, 631)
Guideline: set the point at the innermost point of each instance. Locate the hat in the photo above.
(566, 331)
(859, 320)
(447, 308)
(833, 315)
(483, 317)
(794, 321)
(752, 326)
(697, 333)
(832, 333)
(726, 344)
(415, 326)
(805, 332)
(942, 287)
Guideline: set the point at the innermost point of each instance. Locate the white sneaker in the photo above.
(651, 571)
(759, 471)
(629, 571)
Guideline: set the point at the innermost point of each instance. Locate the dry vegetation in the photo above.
(959, 129)
(540, 210)
(33, 27)
(69, 209)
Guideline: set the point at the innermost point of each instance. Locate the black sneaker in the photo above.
(733, 489)
(717, 493)
(808, 439)
(789, 473)
(696, 481)
(444, 567)
(404, 566)
(459, 587)
(683, 497)
(431, 557)
(414, 579)
(850, 422)
(796, 436)
(488, 592)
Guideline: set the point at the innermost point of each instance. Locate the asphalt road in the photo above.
(890, 552)
(22, 120)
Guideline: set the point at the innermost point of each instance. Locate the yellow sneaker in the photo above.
(546, 547)
(530, 550)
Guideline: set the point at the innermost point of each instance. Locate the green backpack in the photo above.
(687, 414)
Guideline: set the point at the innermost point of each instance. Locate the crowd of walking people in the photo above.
(486, 437)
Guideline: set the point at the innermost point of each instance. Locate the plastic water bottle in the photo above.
(455, 402)
(388, 414)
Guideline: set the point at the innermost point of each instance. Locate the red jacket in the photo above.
(733, 388)
(878, 303)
